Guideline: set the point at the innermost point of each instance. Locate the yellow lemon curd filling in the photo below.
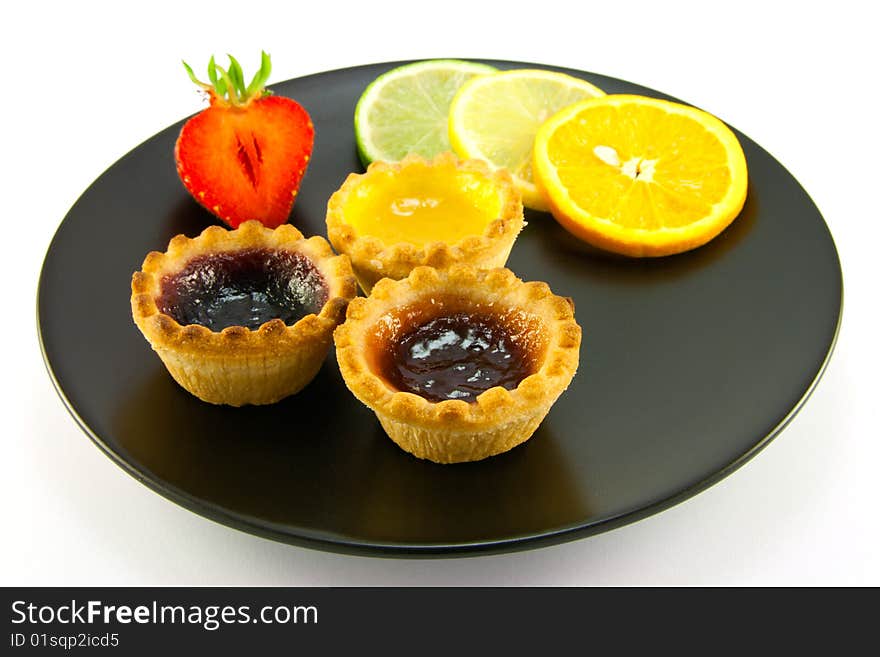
(421, 205)
(439, 212)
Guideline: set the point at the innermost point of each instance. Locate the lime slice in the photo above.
(406, 110)
(495, 118)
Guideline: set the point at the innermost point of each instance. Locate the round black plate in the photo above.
(690, 364)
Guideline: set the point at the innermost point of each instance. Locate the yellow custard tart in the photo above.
(438, 212)
(242, 316)
(459, 364)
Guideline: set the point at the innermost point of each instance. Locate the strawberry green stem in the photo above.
(227, 84)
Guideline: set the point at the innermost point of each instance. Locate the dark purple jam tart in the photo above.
(242, 316)
(243, 288)
(459, 364)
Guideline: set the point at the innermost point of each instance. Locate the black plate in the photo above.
(690, 365)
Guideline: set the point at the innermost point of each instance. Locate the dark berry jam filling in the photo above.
(243, 288)
(457, 356)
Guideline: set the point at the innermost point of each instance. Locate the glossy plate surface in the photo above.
(690, 364)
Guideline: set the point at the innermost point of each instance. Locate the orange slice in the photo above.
(640, 176)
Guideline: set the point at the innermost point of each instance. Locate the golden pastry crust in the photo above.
(237, 365)
(373, 259)
(453, 430)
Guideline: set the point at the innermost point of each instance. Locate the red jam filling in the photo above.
(458, 355)
(243, 288)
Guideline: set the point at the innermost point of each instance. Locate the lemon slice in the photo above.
(640, 176)
(495, 118)
(406, 110)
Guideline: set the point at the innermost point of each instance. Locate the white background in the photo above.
(84, 83)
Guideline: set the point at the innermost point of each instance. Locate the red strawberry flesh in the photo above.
(246, 163)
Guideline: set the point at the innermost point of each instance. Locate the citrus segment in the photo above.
(495, 118)
(640, 176)
(406, 109)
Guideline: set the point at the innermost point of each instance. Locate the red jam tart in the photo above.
(459, 364)
(243, 316)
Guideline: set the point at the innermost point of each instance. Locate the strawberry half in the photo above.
(244, 156)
